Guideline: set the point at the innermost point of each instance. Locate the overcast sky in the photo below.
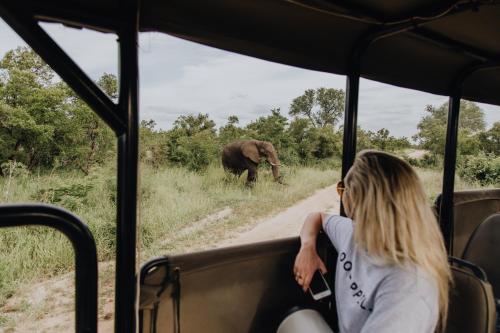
(180, 77)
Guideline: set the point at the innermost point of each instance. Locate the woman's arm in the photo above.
(307, 260)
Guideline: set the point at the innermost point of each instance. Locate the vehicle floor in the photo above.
(47, 306)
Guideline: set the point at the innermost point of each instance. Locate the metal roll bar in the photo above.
(29, 30)
(128, 148)
(123, 118)
(85, 253)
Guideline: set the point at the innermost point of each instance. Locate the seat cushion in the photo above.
(483, 249)
(472, 307)
(470, 208)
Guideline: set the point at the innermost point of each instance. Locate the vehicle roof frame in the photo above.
(123, 118)
(124, 121)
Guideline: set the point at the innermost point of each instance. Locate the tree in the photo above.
(230, 132)
(44, 124)
(432, 127)
(490, 140)
(270, 128)
(192, 142)
(192, 124)
(323, 106)
(153, 144)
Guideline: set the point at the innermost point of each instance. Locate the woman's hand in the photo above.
(306, 263)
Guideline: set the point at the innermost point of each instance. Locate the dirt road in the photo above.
(288, 222)
(51, 307)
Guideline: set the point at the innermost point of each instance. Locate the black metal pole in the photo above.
(83, 245)
(29, 30)
(125, 310)
(350, 124)
(450, 158)
(350, 121)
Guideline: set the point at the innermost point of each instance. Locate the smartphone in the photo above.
(319, 288)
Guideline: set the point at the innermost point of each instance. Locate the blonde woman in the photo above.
(392, 273)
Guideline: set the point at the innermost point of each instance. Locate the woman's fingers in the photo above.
(306, 264)
(307, 282)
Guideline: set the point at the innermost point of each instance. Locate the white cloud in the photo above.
(179, 77)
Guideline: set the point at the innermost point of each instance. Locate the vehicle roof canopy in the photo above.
(429, 46)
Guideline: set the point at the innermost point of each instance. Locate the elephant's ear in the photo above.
(249, 150)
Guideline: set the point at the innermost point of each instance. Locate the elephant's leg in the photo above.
(252, 173)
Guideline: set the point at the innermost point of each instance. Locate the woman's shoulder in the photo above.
(412, 279)
(335, 218)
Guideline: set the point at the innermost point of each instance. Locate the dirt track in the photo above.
(52, 307)
(288, 222)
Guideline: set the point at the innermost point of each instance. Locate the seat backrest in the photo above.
(472, 306)
(470, 208)
(240, 289)
(483, 249)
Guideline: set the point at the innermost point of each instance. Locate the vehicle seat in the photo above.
(483, 249)
(472, 307)
(470, 208)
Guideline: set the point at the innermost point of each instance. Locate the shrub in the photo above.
(70, 197)
(195, 152)
(426, 161)
(14, 169)
(481, 168)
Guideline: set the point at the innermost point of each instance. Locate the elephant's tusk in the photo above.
(273, 164)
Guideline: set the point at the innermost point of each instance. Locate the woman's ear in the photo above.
(249, 150)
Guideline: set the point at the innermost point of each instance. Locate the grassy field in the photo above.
(172, 199)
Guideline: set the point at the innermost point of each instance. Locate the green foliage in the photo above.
(380, 140)
(482, 168)
(231, 132)
(71, 196)
(432, 128)
(153, 144)
(428, 161)
(14, 169)
(198, 151)
(42, 122)
(323, 106)
(489, 141)
(192, 142)
(271, 128)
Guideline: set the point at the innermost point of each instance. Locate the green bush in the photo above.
(14, 169)
(481, 168)
(427, 161)
(196, 152)
(70, 197)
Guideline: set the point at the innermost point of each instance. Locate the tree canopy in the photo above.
(323, 106)
(42, 122)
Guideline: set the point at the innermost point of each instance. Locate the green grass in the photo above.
(432, 181)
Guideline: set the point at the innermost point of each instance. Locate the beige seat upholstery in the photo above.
(472, 306)
(470, 209)
(483, 249)
(241, 289)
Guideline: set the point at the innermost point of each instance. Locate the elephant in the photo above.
(242, 155)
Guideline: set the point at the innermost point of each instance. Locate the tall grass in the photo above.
(432, 181)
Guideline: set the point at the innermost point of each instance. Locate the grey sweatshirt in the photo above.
(375, 298)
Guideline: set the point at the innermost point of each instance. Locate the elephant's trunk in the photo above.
(276, 171)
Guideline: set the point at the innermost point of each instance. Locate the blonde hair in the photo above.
(394, 221)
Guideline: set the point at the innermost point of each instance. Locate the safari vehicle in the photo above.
(449, 48)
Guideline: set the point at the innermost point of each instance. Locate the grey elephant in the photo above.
(242, 155)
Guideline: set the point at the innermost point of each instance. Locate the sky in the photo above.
(178, 77)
